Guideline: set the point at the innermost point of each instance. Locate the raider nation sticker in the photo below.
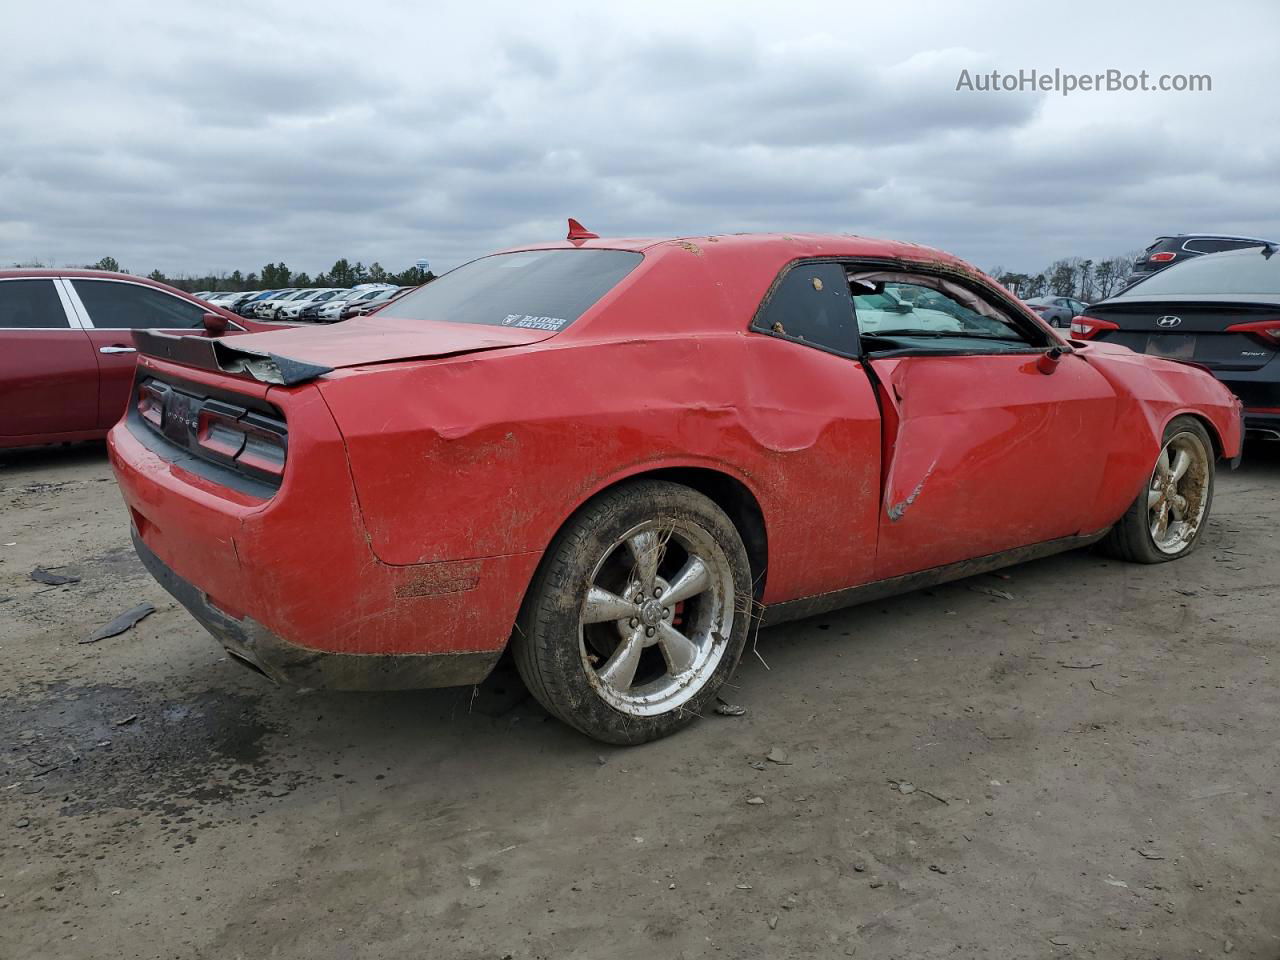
(554, 324)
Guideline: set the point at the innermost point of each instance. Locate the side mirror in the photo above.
(1048, 361)
(215, 324)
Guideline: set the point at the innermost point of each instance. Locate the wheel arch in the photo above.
(727, 491)
(1211, 428)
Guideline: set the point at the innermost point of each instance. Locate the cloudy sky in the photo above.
(200, 136)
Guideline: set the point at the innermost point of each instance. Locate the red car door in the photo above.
(112, 310)
(985, 451)
(48, 375)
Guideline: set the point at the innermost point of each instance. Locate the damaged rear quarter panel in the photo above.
(487, 455)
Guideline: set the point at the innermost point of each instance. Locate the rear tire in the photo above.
(1168, 517)
(638, 613)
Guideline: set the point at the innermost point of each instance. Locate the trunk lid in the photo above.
(299, 354)
(1188, 330)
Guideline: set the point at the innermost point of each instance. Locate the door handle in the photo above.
(117, 349)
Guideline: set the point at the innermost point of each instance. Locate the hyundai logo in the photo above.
(1168, 321)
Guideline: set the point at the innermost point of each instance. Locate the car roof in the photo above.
(37, 273)
(773, 246)
(1209, 236)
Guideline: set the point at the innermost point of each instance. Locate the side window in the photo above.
(811, 305)
(116, 305)
(905, 311)
(30, 304)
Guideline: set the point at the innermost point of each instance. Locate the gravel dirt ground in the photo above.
(1077, 758)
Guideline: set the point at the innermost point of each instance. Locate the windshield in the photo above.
(1223, 273)
(532, 289)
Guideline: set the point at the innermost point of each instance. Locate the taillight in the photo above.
(1267, 331)
(151, 404)
(1161, 257)
(1086, 328)
(264, 446)
(251, 442)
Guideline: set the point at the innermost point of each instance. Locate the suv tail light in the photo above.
(1086, 328)
(1161, 257)
(1267, 331)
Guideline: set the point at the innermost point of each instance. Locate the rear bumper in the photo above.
(287, 580)
(292, 665)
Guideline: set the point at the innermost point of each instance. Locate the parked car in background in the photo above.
(1166, 251)
(67, 355)
(365, 305)
(731, 437)
(228, 301)
(270, 309)
(249, 307)
(293, 308)
(1221, 311)
(331, 311)
(1057, 311)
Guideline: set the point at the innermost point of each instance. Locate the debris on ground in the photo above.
(779, 756)
(125, 721)
(773, 923)
(755, 801)
(936, 869)
(41, 575)
(126, 621)
(993, 592)
(907, 787)
(876, 883)
(1082, 665)
(1149, 854)
(859, 866)
(726, 709)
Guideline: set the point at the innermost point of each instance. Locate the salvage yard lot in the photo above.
(1077, 757)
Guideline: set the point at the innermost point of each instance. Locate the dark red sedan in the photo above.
(611, 453)
(66, 348)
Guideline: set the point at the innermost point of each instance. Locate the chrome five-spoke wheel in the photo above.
(656, 616)
(1168, 517)
(1179, 492)
(638, 613)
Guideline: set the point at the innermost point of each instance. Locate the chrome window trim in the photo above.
(88, 319)
(73, 322)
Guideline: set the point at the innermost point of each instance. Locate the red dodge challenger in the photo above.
(612, 453)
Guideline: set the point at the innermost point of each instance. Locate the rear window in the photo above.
(1205, 245)
(1244, 272)
(533, 289)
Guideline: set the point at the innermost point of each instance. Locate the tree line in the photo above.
(274, 276)
(1075, 277)
(1086, 280)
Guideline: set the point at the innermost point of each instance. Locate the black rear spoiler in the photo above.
(216, 354)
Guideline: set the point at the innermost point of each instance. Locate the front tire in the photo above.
(637, 614)
(1168, 518)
